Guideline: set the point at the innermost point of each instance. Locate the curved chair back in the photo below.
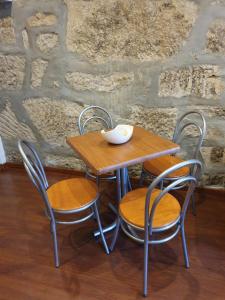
(192, 179)
(184, 124)
(93, 114)
(35, 170)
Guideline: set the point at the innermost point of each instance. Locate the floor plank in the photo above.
(26, 258)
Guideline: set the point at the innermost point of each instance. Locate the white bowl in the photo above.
(119, 135)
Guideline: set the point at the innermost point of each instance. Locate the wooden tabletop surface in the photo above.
(103, 157)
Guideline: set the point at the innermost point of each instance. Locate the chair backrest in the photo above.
(190, 181)
(94, 115)
(35, 170)
(187, 123)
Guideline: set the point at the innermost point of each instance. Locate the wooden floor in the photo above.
(27, 271)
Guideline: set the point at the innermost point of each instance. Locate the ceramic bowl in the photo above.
(119, 135)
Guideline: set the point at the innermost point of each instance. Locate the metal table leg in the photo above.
(113, 208)
(123, 186)
(122, 189)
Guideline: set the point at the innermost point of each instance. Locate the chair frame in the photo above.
(177, 226)
(107, 123)
(179, 128)
(35, 170)
(202, 130)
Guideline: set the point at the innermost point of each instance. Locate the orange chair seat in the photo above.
(72, 194)
(132, 208)
(158, 165)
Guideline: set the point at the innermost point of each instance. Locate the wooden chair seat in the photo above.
(132, 208)
(158, 165)
(72, 194)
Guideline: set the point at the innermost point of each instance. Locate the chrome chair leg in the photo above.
(105, 229)
(94, 216)
(161, 185)
(145, 283)
(113, 208)
(193, 204)
(128, 182)
(100, 228)
(184, 245)
(55, 242)
(141, 178)
(98, 181)
(115, 234)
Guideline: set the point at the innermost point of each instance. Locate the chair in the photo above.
(76, 196)
(156, 166)
(94, 118)
(147, 213)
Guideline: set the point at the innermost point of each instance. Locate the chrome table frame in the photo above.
(122, 186)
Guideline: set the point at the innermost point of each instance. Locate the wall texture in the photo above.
(146, 61)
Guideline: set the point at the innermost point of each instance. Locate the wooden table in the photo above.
(103, 157)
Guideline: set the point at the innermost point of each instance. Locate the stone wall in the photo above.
(146, 61)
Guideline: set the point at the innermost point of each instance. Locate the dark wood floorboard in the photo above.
(27, 270)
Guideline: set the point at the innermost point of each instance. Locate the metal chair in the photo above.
(94, 118)
(156, 166)
(154, 216)
(76, 196)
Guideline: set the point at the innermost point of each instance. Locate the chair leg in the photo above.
(94, 216)
(115, 235)
(100, 228)
(129, 183)
(141, 177)
(98, 181)
(55, 243)
(193, 204)
(98, 185)
(184, 244)
(145, 283)
(161, 184)
(113, 208)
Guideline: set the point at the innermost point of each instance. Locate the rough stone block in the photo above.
(216, 112)
(46, 42)
(7, 34)
(217, 155)
(135, 171)
(216, 37)
(13, 155)
(39, 67)
(216, 134)
(214, 180)
(11, 72)
(199, 81)
(117, 29)
(54, 119)
(214, 157)
(100, 83)
(161, 121)
(64, 162)
(11, 128)
(41, 19)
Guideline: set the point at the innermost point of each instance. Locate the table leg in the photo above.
(122, 186)
(118, 185)
(123, 179)
(122, 189)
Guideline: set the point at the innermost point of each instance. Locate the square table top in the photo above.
(103, 157)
